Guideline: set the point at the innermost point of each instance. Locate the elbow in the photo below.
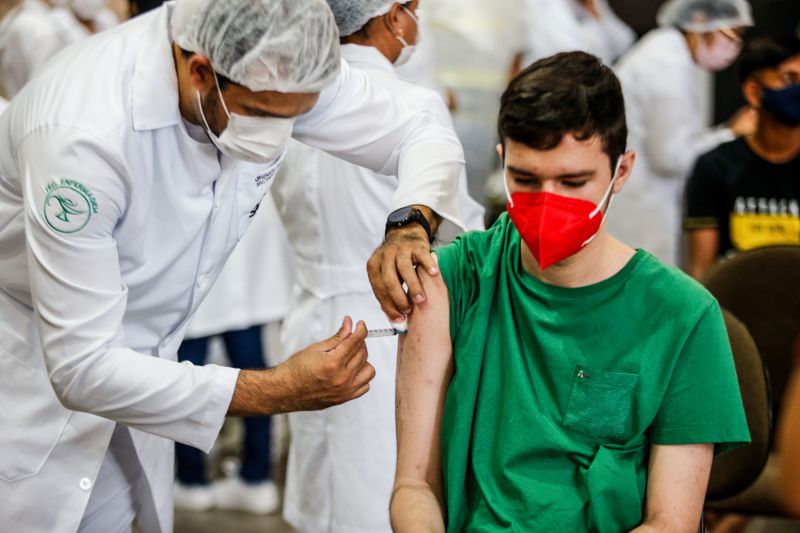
(70, 388)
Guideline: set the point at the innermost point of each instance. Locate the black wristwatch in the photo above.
(408, 215)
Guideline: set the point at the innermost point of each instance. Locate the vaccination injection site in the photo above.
(413, 266)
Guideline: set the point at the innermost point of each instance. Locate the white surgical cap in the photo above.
(700, 16)
(289, 46)
(352, 15)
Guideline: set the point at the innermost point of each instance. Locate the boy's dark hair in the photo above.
(566, 93)
(767, 52)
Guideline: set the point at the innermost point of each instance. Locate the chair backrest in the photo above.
(734, 471)
(762, 289)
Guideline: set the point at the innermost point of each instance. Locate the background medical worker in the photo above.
(341, 460)
(29, 36)
(591, 26)
(122, 195)
(664, 77)
(78, 19)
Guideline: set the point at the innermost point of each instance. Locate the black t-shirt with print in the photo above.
(753, 202)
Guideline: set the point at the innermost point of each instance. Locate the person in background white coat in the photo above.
(590, 26)
(121, 197)
(28, 38)
(78, 19)
(341, 460)
(664, 77)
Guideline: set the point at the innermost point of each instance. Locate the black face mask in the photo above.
(783, 104)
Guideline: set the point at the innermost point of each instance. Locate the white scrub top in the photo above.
(114, 224)
(341, 459)
(666, 107)
(555, 26)
(28, 38)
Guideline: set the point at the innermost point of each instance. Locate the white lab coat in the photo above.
(28, 38)
(246, 293)
(114, 224)
(341, 460)
(555, 26)
(666, 107)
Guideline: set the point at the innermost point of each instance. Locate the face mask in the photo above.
(783, 104)
(719, 55)
(88, 9)
(556, 227)
(254, 139)
(408, 49)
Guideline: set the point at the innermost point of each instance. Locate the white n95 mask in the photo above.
(253, 139)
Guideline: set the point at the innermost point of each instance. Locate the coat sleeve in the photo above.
(367, 126)
(75, 192)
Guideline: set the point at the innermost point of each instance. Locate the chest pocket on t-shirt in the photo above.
(600, 404)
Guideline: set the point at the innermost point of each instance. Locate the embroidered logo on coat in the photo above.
(68, 205)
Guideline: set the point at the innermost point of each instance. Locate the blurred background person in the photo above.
(341, 461)
(476, 42)
(137, 7)
(29, 36)
(591, 26)
(745, 194)
(244, 300)
(665, 84)
(78, 19)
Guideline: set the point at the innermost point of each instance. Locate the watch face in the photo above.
(401, 215)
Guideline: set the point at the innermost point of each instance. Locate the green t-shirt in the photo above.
(558, 393)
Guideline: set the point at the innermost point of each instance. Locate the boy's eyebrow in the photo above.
(568, 175)
(261, 113)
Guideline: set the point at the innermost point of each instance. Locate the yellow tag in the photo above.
(755, 231)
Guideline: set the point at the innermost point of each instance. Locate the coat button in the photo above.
(86, 483)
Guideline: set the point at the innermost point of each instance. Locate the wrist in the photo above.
(416, 217)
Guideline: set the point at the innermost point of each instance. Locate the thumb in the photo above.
(345, 331)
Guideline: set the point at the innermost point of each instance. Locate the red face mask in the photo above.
(553, 226)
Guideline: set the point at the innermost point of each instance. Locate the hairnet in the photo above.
(265, 45)
(352, 15)
(701, 16)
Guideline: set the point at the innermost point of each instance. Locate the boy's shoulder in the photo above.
(667, 289)
(477, 251)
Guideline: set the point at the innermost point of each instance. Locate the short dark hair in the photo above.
(766, 53)
(572, 92)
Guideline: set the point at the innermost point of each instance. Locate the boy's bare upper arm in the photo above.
(424, 370)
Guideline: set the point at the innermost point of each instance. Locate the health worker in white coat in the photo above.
(590, 26)
(665, 81)
(29, 36)
(122, 195)
(341, 460)
(78, 19)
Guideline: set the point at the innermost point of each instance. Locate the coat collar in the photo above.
(154, 87)
(366, 56)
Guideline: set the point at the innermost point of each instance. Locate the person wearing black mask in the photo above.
(745, 194)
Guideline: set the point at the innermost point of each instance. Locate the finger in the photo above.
(358, 359)
(394, 286)
(426, 259)
(364, 376)
(379, 288)
(409, 274)
(348, 348)
(344, 332)
(360, 392)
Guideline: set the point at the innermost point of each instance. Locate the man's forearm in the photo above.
(415, 509)
(261, 393)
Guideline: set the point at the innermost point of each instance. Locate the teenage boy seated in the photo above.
(557, 379)
(745, 194)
